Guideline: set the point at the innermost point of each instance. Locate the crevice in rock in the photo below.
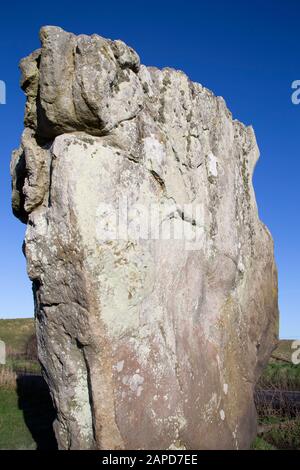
(81, 347)
(158, 179)
(52, 304)
(185, 217)
(50, 179)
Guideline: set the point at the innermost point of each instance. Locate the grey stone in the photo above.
(146, 343)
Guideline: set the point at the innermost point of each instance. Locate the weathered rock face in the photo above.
(146, 341)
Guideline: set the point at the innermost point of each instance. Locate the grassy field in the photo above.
(279, 426)
(14, 433)
(15, 333)
(281, 376)
(26, 415)
(26, 412)
(18, 335)
(283, 352)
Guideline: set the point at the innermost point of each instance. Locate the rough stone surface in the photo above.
(145, 343)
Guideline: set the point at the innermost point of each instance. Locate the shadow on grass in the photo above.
(35, 402)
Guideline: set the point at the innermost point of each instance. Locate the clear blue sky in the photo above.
(246, 51)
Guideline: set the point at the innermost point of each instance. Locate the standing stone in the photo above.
(146, 341)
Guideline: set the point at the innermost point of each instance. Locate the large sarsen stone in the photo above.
(154, 280)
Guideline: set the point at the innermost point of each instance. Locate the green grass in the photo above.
(15, 333)
(26, 411)
(261, 444)
(281, 376)
(23, 365)
(14, 433)
(283, 351)
(280, 427)
(283, 435)
(286, 436)
(26, 415)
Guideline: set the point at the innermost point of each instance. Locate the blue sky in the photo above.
(246, 51)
